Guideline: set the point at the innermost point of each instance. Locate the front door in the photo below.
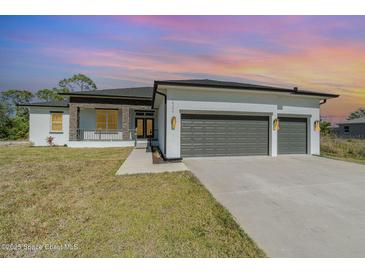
(144, 127)
(149, 127)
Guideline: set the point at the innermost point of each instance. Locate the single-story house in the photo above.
(186, 118)
(354, 128)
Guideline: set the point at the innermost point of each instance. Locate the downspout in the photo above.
(323, 102)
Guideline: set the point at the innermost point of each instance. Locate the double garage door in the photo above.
(232, 135)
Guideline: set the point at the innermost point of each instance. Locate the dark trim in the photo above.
(165, 118)
(294, 91)
(102, 95)
(168, 159)
(153, 95)
(225, 116)
(323, 102)
(145, 110)
(52, 111)
(47, 106)
(111, 101)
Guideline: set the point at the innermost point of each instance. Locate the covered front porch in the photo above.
(110, 124)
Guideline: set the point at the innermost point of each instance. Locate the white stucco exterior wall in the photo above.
(243, 102)
(160, 104)
(40, 126)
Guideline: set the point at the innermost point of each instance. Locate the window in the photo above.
(106, 119)
(346, 129)
(144, 113)
(56, 121)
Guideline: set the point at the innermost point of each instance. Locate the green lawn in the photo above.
(59, 196)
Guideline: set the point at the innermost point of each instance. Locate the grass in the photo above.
(352, 150)
(57, 197)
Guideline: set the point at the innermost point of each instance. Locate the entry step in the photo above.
(141, 143)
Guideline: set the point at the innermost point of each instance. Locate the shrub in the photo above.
(50, 140)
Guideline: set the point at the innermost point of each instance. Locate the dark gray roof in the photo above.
(236, 85)
(138, 92)
(360, 120)
(63, 103)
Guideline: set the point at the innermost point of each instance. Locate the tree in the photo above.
(13, 118)
(13, 97)
(49, 94)
(4, 119)
(357, 114)
(78, 82)
(325, 127)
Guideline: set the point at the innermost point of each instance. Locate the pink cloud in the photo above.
(323, 67)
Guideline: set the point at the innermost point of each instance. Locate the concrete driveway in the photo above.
(292, 206)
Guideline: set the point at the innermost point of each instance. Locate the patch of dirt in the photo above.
(157, 157)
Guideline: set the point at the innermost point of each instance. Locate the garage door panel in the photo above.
(222, 135)
(292, 136)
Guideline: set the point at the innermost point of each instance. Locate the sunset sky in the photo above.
(319, 53)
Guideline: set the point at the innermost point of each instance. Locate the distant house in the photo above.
(334, 129)
(354, 128)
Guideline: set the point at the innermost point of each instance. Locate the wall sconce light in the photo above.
(317, 126)
(173, 122)
(276, 124)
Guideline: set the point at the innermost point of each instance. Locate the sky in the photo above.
(318, 53)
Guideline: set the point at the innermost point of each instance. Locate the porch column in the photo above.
(73, 113)
(125, 123)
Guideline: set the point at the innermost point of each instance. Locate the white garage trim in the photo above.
(180, 100)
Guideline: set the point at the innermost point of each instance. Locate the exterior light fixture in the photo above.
(173, 122)
(276, 124)
(317, 126)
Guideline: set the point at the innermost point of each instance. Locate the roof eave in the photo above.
(351, 123)
(282, 90)
(104, 96)
(34, 105)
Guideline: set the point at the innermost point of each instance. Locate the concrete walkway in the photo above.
(140, 161)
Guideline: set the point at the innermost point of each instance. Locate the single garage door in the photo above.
(224, 135)
(292, 136)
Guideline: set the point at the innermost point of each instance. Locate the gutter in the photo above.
(323, 102)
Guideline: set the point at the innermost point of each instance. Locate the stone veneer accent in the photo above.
(124, 109)
(125, 123)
